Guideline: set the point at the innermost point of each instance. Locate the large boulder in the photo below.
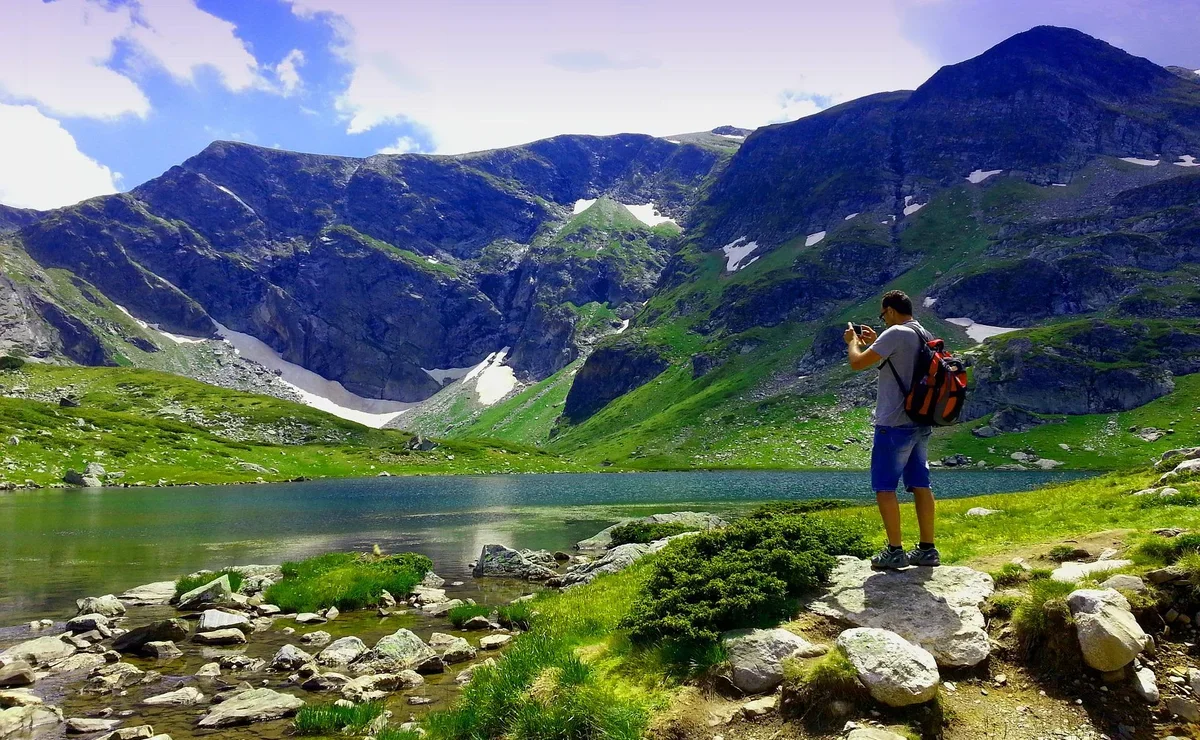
(935, 608)
(22, 720)
(756, 656)
(40, 651)
(16, 673)
(215, 619)
(87, 623)
(163, 630)
(399, 651)
(247, 707)
(342, 651)
(213, 593)
(895, 671)
(701, 520)
(1109, 635)
(107, 605)
(505, 562)
(617, 559)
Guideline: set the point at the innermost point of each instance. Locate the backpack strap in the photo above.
(921, 339)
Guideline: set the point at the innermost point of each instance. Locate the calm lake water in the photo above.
(59, 545)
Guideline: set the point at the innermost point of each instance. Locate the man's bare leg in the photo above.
(926, 512)
(889, 509)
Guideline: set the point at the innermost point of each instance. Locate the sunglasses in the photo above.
(881, 313)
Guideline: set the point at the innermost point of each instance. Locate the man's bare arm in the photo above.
(861, 358)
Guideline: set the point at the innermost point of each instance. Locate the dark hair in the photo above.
(898, 300)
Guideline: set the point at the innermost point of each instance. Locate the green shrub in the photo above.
(1040, 574)
(515, 616)
(1061, 553)
(539, 690)
(1010, 574)
(346, 580)
(331, 719)
(773, 509)
(459, 615)
(745, 574)
(8, 362)
(189, 583)
(646, 532)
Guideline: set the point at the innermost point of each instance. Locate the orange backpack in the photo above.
(938, 389)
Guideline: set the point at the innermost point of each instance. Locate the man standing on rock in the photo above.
(901, 447)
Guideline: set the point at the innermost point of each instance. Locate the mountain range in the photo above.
(660, 301)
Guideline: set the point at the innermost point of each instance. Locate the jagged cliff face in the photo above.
(367, 271)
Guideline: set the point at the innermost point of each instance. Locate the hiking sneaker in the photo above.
(929, 558)
(889, 559)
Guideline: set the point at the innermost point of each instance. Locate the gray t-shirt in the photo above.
(898, 344)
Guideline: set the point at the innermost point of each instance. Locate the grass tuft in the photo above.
(459, 615)
(515, 616)
(814, 689)
(346, 580)
(190, 583)
(331, 719)
(1011, 574)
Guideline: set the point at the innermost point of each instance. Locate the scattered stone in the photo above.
(331, 613)
(376, 687)
(478, 622)
(318, 638)
(873, 733)
(17, 673)
(399, 651)
(241, 663)
(26, 719)
(438, 610)
(38, 652)
(254, 705)
(756, 656)
(150, 594)
(141, 732)
(86, 726)
(386, 600)
(79, 662)
(18, 698)
(1146, 685)
(215, 619)
(760, 707)
(453, 649)
(431, 665)
(342, 651)
(1125, 582)
(936, 608)
(220, 637)
(1109, 635)
(501, 561)
(214, 593)
(310, 618)
(185, 697)
(1188, 709)
(162, 650)
(290, 658)
(895, 671)
(87, 623)
(106, 605)
(209, 670)
(494, 642)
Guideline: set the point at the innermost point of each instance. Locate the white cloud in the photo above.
(40, 164)
(403, 145)
(55, 53)
(182, 38)
(492, 81)
(288, 71)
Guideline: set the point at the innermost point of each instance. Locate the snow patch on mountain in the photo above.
(1142, 162)
(978, 176)
(852, 215)
(980, 332)
(928, 302)
(648, 214)
(582, 205)
(909, 207)
(814, 239)
(493, 379)
(734, 254)
(1187, 160)
(318, 392)
(732, 136)
(176, 338)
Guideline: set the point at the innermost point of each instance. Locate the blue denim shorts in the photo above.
(900, 451)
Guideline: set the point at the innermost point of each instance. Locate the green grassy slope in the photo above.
(154, 426)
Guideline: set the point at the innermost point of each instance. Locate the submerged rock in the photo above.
(756, 656)
(935, 608)
(896, 672)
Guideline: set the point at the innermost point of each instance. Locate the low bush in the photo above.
(539, 690)
(515, 616)
(646, 532)
(190, 583)
(8, 362)
(746, 574)
(346, 580)
(772, 509)
(1062, 553)
(459, 615)
(331, 719)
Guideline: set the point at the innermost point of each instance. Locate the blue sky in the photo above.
(100, 95)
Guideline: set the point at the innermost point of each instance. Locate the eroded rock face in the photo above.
(505, 562)
(617, 559)
(610, 372)
(895, 671)
(935, 608)
(248, 707)
(1109, 635)
(756, 656)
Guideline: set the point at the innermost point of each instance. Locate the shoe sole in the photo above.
(889, 567)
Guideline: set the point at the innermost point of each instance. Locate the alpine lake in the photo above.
(60, 545)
